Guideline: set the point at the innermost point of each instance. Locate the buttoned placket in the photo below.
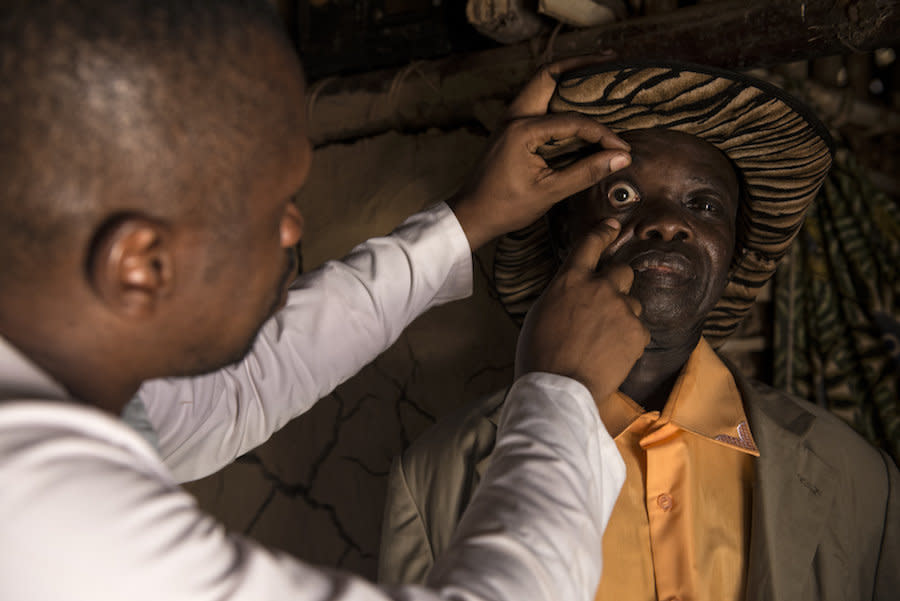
(667, 512)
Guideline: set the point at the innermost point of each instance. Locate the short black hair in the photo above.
(106, 98)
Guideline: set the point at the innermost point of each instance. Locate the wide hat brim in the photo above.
(781, 149)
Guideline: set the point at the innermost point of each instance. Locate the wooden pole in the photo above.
(840, 106)
(735, 34)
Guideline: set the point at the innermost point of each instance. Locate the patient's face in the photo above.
(677, 203)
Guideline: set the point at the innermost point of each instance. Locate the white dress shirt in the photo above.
(92, 511)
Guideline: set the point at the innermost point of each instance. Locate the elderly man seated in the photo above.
(734, 490)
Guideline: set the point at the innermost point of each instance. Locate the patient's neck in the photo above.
(650, 381)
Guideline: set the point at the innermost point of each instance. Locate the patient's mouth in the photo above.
(663, 269)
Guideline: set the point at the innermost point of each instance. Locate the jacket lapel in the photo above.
(791, 500)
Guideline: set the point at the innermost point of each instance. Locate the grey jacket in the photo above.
(825, 520)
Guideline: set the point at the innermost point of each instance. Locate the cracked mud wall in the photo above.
(316, 489)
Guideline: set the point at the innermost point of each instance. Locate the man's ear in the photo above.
(131, 265)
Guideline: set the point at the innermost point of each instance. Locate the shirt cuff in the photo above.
(567, 398)
(436, 232)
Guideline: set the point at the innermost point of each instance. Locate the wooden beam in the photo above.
(736, 34)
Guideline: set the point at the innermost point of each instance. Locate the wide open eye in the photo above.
(622, 194)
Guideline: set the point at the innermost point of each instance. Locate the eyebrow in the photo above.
(702, 180)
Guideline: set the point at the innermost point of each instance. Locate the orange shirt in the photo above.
(680, 528)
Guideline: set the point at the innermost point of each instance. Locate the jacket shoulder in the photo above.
(430, 486)
(450, 449)
(864, 514)
(829, 436)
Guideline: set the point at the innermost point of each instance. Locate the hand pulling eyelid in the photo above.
(561, 153)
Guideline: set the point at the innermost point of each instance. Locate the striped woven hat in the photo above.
(781, 149)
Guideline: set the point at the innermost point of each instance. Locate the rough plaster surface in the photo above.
(316, 489)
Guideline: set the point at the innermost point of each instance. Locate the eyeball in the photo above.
(622, 194)
(704, 204)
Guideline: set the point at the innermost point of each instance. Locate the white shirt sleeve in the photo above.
(534, 527)
(91, 514)
(337, 319)
(99, 518)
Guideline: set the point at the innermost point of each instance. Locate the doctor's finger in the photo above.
(587, 251)
(535, 96)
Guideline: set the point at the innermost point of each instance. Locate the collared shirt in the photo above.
(91, 511)
(680, 528)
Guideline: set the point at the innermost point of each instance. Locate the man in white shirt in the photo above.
(149, 151)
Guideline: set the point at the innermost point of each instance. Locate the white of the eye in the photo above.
(613, 197)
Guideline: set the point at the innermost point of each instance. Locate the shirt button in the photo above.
(665, 502)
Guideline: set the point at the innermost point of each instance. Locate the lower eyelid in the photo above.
(619, 208)
(623, 206)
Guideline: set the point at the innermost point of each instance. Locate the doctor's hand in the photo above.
(584, 325)
(513, 185)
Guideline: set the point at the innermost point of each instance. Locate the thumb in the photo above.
(587, 252)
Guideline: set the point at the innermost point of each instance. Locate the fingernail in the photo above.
(619, 161)
(612, 223)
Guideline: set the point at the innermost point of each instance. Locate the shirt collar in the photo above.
(20, 379)
(704, 400)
